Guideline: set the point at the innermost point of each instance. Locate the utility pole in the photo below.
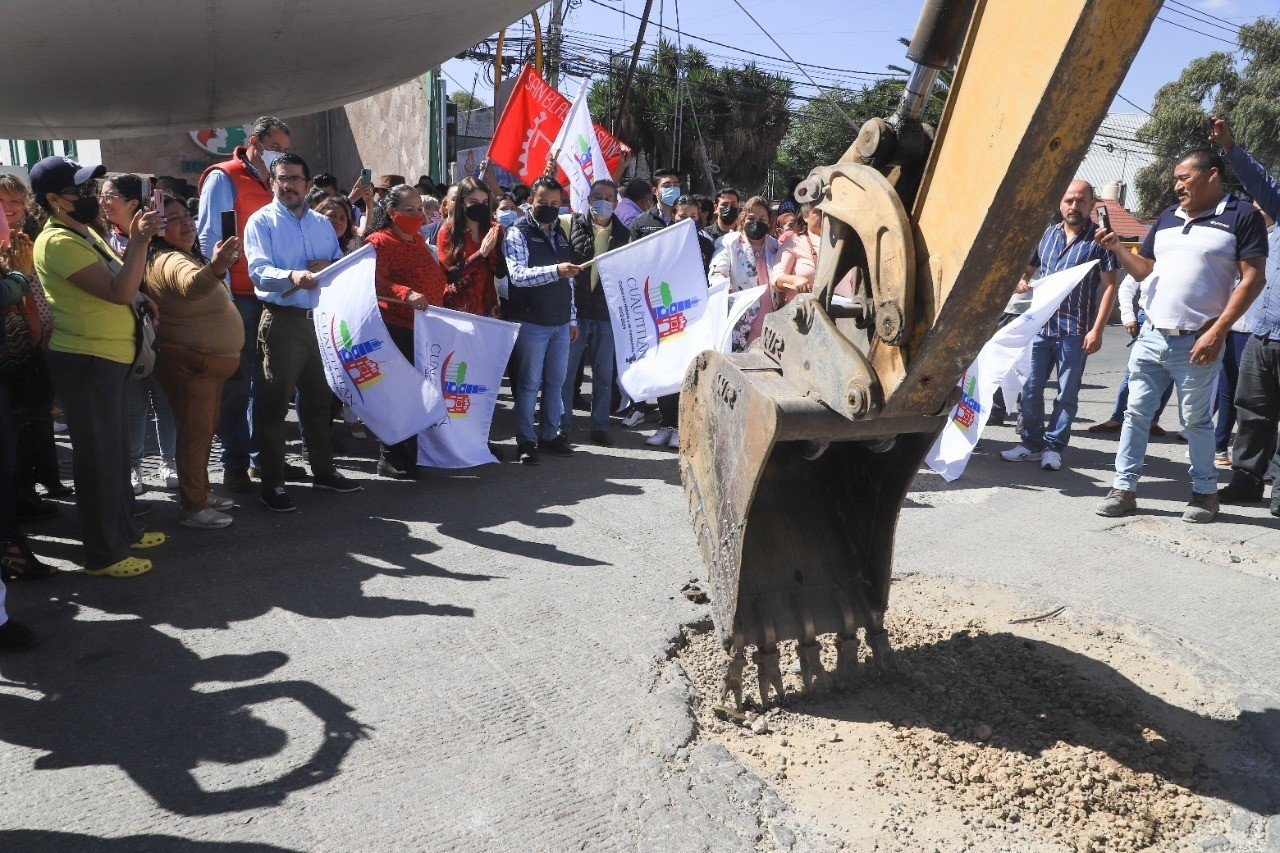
(554, 41)
(635, 57)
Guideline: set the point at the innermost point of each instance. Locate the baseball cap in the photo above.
(53, 174)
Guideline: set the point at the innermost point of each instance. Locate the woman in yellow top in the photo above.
(91, 293)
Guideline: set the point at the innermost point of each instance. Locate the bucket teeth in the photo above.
(733, 679)
(847, 666)
(770, 674)
(882, 651)
(813, 675)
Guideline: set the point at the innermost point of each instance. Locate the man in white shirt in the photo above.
(1189, 262)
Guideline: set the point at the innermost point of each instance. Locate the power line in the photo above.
(1197, 32)
(1205, 16)
(1131, 103)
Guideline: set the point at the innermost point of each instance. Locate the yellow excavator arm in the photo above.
(798, 453)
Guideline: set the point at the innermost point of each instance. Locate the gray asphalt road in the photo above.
(475, 661)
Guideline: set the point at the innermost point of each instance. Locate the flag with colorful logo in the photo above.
(363, 366)
(464, 357)
(578, 153)
(990, 370)
(531, 121)
(658, 305)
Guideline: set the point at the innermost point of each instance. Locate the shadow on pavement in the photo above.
(42, 841)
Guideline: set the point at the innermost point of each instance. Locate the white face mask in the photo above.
(269, 157)
(602, 208)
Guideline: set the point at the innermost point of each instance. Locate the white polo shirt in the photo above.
(1198, 262)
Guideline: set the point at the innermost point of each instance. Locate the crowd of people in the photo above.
(138, 307)
(1199, 300)
(186, 311)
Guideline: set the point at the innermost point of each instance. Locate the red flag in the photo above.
(529, 124)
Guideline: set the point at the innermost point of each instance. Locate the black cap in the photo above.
(54, 174)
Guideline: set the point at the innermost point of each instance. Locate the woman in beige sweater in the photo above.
(199, 340)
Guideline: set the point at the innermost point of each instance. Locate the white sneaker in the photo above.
(135, 480)
(633, 419)
(660, 438)
(169, 474)
(674, 441)
(1051, 460)
(219, 502)
(1021, 454)
(205, 519)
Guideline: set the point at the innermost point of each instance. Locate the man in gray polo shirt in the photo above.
(1190, 262)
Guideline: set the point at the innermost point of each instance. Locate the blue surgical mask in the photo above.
(602, 208)
(507, 218)
(670, 195)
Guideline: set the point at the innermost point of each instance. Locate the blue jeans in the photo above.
(542, 359)
(144, 396)
(1155, 360)
(597, 334)
(1066, 355)
(1122, 395)
(235, 425)
(1225, 404)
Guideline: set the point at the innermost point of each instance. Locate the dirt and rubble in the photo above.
(1060, 733)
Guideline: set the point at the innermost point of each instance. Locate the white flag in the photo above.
(992, 368)
(363, 366)
(463, 355)
(657, 294)
(578, 152)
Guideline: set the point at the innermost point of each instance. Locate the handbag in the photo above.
(18, 342)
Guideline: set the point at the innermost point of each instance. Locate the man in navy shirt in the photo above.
(1190, 261)
(1073, 333)
(1258, 387)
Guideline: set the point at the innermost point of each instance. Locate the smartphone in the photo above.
(229, 224)
(1104, 219)
(366, 176)
(157, 204)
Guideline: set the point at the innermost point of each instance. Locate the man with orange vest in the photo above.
(241, 184)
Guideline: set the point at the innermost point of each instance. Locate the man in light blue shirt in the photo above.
(286, 243)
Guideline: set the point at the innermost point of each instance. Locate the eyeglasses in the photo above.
(290, 179)
(87, 190)
(110, 197)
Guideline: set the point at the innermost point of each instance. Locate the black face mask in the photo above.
(729, 215)
(545, 213)
(478, 212)
(756, 230)
(85, 211)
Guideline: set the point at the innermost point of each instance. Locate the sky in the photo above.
(860, 35)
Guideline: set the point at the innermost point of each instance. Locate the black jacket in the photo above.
(547, 304)
(582, 247)
(647, 223)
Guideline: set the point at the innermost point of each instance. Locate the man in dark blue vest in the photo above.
(540, 279)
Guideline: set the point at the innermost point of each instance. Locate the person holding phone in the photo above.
(199, 349)
(241, 184)
(1073, 332)
(91, 294)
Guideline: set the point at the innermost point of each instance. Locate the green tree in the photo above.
(467, 101)
(741, 111)
(1242, 87)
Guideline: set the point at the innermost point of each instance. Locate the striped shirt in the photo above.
(1057, 252)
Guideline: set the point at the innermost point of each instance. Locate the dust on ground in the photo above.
(1059, 734)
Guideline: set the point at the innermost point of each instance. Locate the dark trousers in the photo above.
(235, 426)
(669, 411)
(8, 469)
(92, 392)
(1233, 351)
(1257, 407)
(192, 383)
(290, 359)
(405, 453)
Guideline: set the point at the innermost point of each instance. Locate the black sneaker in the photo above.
(558, 446)
(496, 451)
(32, 507)
(601, 437)
(236, 480)
(527, 454)
(278, 500)
(336, 482)
(1243, 489)
(15, 637)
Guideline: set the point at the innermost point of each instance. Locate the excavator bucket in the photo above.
(797, 454)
